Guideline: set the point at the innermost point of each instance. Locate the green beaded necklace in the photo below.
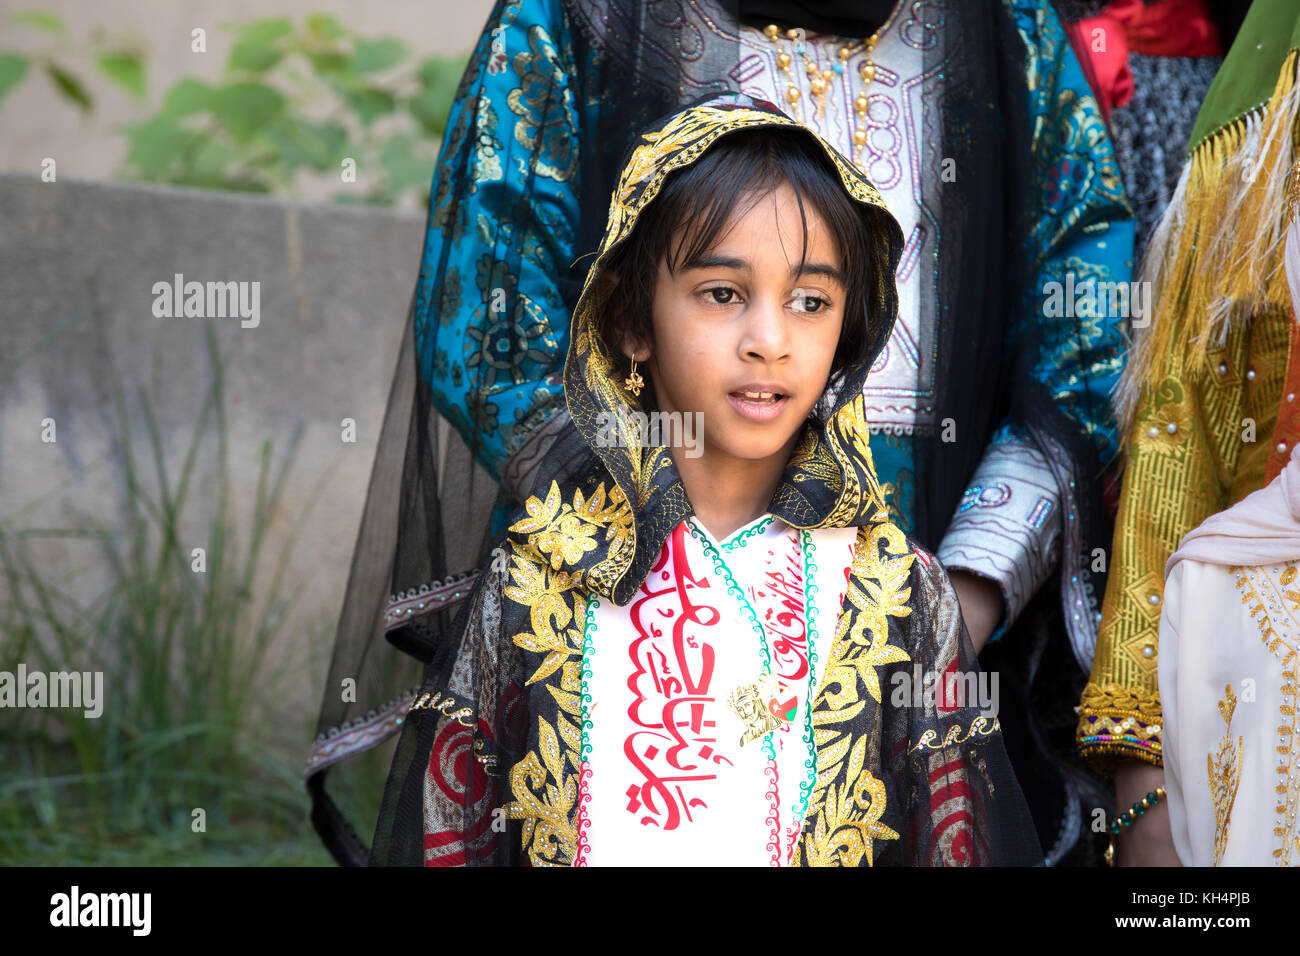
(810, 632)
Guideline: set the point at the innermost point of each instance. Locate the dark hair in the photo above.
(703, 196)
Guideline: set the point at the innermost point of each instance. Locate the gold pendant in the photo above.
(763, 705)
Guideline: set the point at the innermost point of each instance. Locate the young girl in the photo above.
(726, 654)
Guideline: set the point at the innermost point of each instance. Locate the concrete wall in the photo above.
(78, 262)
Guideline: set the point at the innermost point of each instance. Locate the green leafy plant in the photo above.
(302, 100)
(121, 62)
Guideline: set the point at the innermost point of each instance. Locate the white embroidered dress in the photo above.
(665, 779)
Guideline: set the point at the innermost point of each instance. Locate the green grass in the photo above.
(192, 715)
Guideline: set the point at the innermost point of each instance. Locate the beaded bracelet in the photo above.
(1126, 819)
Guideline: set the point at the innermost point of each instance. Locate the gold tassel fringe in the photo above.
(1215, 259)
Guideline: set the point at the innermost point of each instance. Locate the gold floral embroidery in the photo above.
(544, 783)
(1225, 774)
(544, 789)
(1262, 595)
(847, 437)
(551, 612)
(544, 799)
(558, 536)
(889, 495)
(568, 540)
(556, 529)
(848, 802)
(811, 461)
(848, 817)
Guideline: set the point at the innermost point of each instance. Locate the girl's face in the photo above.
(742, 321)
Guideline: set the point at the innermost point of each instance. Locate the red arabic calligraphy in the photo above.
(674, 751)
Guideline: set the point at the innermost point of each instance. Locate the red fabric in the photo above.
(455, 770)
(1287, 430)
(1167, 28)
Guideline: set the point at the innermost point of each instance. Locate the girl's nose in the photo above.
(767, 330)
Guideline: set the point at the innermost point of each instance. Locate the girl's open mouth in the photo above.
(758, 406)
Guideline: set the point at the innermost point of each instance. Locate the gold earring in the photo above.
(633, 383)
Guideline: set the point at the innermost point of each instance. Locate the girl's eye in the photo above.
(809, 303)
(720, 295)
